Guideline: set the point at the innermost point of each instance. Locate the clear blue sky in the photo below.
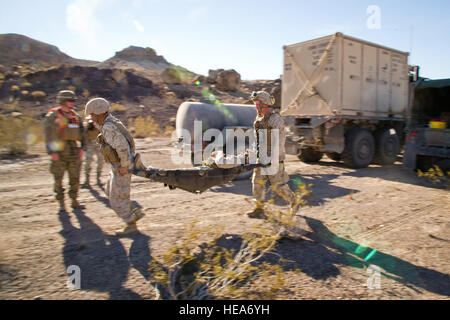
(246, 35)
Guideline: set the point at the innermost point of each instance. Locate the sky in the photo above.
(245, 35)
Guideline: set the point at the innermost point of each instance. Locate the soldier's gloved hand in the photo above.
(80, 153)
(123, 170)
(55, 156)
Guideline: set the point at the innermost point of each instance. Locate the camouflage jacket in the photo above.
(55, 141)
(122, 144)
(270, 121)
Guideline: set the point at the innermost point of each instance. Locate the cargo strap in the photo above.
(309, 89)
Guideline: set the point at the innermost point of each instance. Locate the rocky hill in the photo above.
(136, 80)
(16, 49)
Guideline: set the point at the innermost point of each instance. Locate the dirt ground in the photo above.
(388, 216)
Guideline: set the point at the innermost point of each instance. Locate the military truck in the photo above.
(427, 128)
(346, 98)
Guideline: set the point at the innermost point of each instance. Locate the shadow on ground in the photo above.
(321, 252)
(103, 261)
(322, 188)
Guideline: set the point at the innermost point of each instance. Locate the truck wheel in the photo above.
(359, 148)
(309, 155)
(334, 156)
(387, 146)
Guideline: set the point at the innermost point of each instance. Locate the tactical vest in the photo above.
(69, 124)
(263, 123)
(92, 131)
(109, 153)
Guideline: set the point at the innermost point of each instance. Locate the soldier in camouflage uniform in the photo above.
(117, 147)
(65, 144)
(266, 120)
(92, 148)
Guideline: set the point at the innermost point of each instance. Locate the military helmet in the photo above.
(97, 106)
(66, 95)
(263, 96)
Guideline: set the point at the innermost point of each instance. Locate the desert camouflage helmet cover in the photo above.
(66, 95)
(263, 96)
(97, 106)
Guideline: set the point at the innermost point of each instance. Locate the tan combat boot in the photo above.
(138, 214)
(62, 206)
(86, 183)
(128, 230)
(258, 212)
(77, 205)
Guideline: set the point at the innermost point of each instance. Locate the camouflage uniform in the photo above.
(118, 186)
(278, 180)
(92, 149)
(68, 150)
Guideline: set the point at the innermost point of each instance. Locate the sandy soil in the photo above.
(353, 212)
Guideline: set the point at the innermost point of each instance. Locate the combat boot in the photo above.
(258, 212)
(99, 181)
(62, 206)
(138, 214)
(77, 205)
(86, 183)
(128, 230)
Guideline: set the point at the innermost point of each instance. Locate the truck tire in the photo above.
(387, 146)
(309, 155)
(334, 156)
(359, 148)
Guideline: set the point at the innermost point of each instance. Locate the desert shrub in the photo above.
(17, 133)
(436, 176)
(117, 107)
(145, 127)
(197, 269)
(37, 95)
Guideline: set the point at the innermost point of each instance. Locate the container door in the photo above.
(369, 80)
(384, 81)
(399, 83)
(351, 75)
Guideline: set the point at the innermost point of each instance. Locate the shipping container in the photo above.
(338, 75)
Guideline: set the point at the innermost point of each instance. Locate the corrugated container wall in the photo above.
(341, 75)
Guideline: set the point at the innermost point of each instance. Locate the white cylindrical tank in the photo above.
(217, 116)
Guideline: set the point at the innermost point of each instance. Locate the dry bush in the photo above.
(145, 127)
(37, 95)
(117, 107)
(196, 269)
(436, 176)
(17, 133)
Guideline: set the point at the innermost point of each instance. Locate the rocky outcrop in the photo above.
(228, 80)
(113, 84)
(137, 57)
(16, 49)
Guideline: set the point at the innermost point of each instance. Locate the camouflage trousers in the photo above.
(73, 167)
(118, 191)
(91, 149)
(278, 183)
